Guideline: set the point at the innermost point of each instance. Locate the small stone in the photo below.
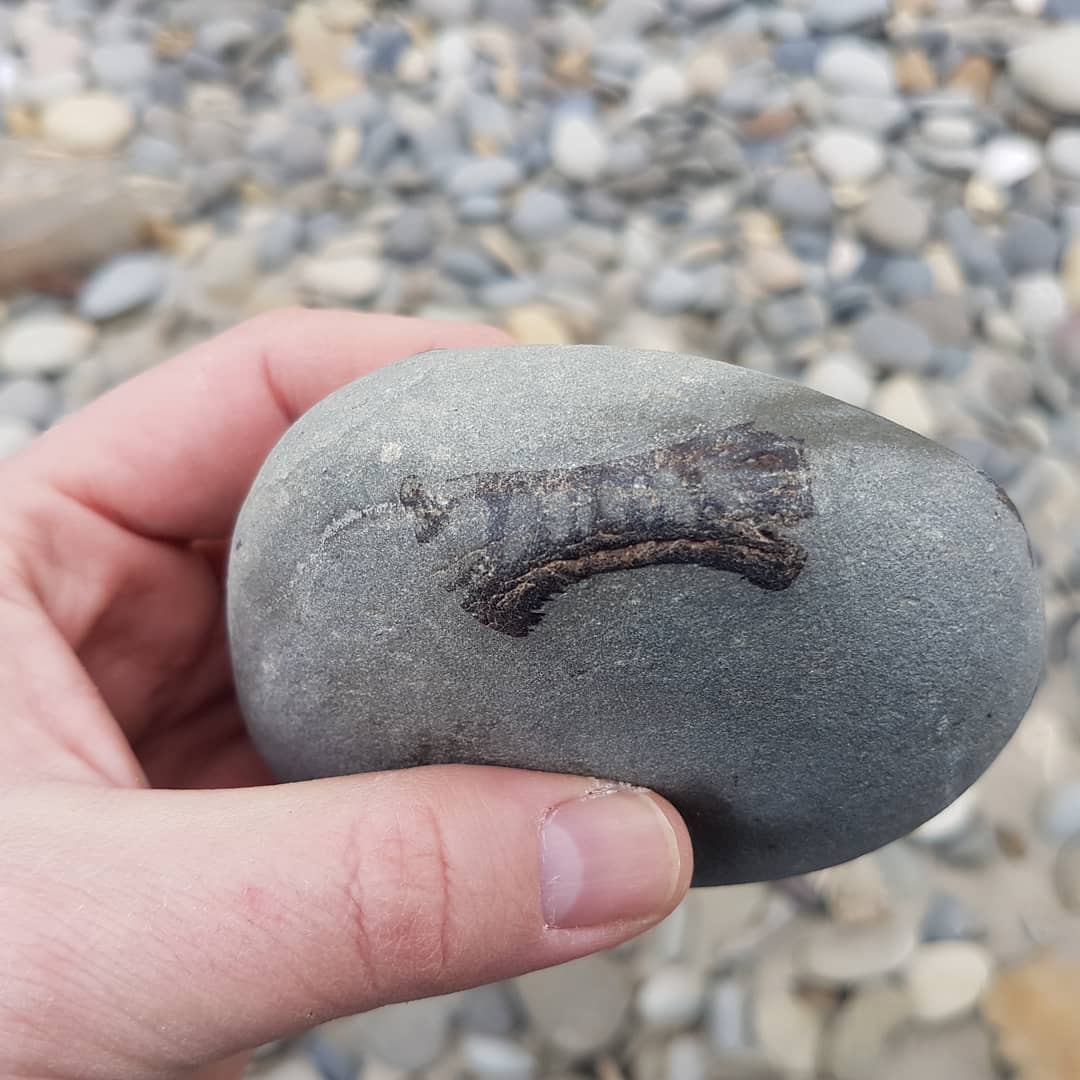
(538, 324)
(540, 213)
(411, 236)
(484, 176)
(901, 399)
(946, 319)
(858, 1036)
(1009, 159)
(492, 1009)
(44, 344)
(94, 123)
(1063, 152)
(840, 376)
(836, 16)
(798, 197)
(789, 318)
(1058, 813)
(687, 1058)
(729, 1018)
(224, 37)
(838, 954)
(715, 288)
(913, 71)
(671, 290)
(1066, 872)
(579, 148)
(578, 1007)
(893, 342)
(153, 156)
(301, 154)
(661, 86)
(950, 130)
(492, 1058)
(352, 279)
(947, 919)
(1032, 1008)
(122, 65)
(904, 280)
(122, 284)
(893, 219)
(1039, 304)
(278, 241)
(29, 399)
(471, 267)
(847, 157)
(14, 435)
(1030, 245)
(974, 76)
(946, 979)
(849, 66)
(918, 1051)
(410, 1036)
(671, 998)
(1044, 69)
(789, 1028)
(775, 269)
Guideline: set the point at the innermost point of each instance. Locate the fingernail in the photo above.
(606, 858)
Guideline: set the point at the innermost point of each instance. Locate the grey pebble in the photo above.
(493, 1058)
(975, 251)
(153, 156)
(539, 213)
(671, 290)
(302, 154)
(892, 342)
(321, 228)
(278, 241)
(905, 279)
(469, 266)
(122, 284)
(410, 1036)
(715, 289)
(33, 400)
(1063, 152)
(122, 65)
(728, 1018)
(948, 919)
(788, 318)
(1058, 813)
(545, 664)
(799, 57)
(216, 182)
(945, 318)
(509, 292)
(687, 1058)
(411, 236)
(484, 176)
(798, 197)
(1029, 245)
(493, 1009)
(893, 218)
(835, 16)
(480, 209)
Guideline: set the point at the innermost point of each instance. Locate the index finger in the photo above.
(171, 453)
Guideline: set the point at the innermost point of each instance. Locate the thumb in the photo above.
(207, 922)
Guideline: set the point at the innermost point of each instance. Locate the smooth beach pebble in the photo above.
(809, 628)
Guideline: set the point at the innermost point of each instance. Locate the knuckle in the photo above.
(399, 899)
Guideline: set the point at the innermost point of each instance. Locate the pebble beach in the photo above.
(879, 200)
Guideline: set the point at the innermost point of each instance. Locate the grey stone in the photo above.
(1058, 813)
(121, 65)
(797, 57)
(902, 280)
(469, 266)
(1044, 70)
(850, 66)
(948, 919)
(798, 197)
(1030, 245)
(893, 218)
(278, 241)
(834, 16)
(480, 209)
(484, 176)
(715, 288)
(364, 526)
(1066, 875)
(32, 400)
(671, 290)
(302, 154)
(225, 36)
(156, 157)
(1063, 152)
(979, 259)
(410, 1036)
(788, 318)
(122, 284)
(893, 342)
(489, 1010)
(539, 213)
(945, 318)
(411, 236)
(492, 1058)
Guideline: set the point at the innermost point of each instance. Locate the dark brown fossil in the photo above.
(720, 499)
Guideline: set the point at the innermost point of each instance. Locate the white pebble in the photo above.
(950, 822)
(579, 148)
(840, 375)
(44, 344)
(1008, 159)
(352, 279)
(660, 87)
(847, 157)
(671, 997)
(1039, 303)
(945, 979)
(902, 399)
(94, 123)
(494, 1058)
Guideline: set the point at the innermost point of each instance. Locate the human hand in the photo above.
(148, 933)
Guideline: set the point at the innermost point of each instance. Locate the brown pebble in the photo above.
(975, 74)
(914, 72)
(769, 125)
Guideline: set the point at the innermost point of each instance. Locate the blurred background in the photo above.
(878, 199)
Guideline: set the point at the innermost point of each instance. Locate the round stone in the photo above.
(1058, 813)
(643, 573)
(579, 148)
(540, 213)
(798, 197)
(847, 157)
(849, 66)
(1044, 69)
(671, 290)
(94, 123)
(1063, 152)
(44, 344)
(945, 979)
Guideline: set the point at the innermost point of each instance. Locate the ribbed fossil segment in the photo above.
(720, 499)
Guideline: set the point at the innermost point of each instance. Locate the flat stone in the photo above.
(945, 979)
(837, 954)
(278, 241)
(44, 344)
(1039, 304)
(384, 559)
(946, 319)
(578, 1007)
(687, 1058)
(122, 65)
(122, 284)
(489, 1010)
(847, 157)
(893, 342)
(893, 218)
(919, 1051)
(948, 919)
(902, 399)
(1044, 69)
(788, 318)
(410, 1036)
(484, 176)
(93, 123)
(671, 997)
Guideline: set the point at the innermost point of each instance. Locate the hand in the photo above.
(147, 933)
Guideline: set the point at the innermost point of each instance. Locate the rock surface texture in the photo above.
(810, 628)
